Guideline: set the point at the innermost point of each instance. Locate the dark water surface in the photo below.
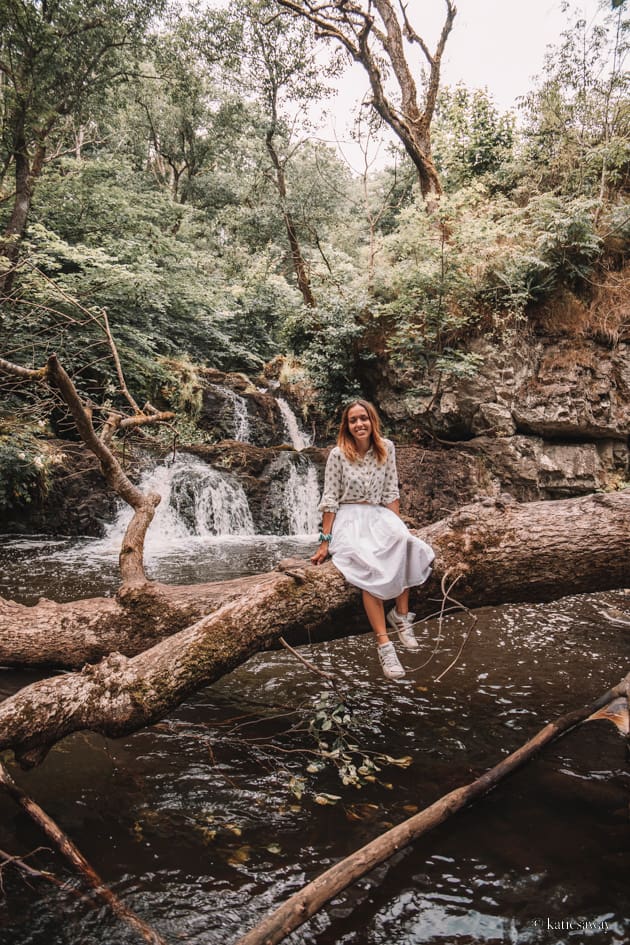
(194, 825)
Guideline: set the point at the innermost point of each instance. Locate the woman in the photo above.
(364, 533)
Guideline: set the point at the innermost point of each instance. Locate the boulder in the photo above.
(531, 468)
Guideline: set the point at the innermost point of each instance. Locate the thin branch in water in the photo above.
(73, 855)
(329, 677)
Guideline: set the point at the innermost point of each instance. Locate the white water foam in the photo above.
(298, 438)
(241, 426)
(197, 502)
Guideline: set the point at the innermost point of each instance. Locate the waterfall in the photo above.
(302, 496)
(197, 500)
(290, 505)
(241, 429)
(298, 439)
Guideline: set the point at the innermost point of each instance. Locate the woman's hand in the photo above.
(321, 554)
(394, 507)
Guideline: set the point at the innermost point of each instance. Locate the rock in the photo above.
(233, 408)
(494, 420)
(532, 468)
(568, 387)
(435, 482)
(77, 501)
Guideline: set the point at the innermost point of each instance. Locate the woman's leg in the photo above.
(389, 661)
(376, 615)
(402, 603)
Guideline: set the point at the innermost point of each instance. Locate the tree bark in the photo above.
(27, 170)
(501, 552)
(297, 257)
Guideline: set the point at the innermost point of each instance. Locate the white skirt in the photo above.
(374, 550)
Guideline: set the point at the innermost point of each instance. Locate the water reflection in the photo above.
(193, 822)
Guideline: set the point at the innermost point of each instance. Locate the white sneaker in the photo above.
(390, 663)
(403, 624)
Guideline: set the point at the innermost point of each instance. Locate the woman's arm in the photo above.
(322, 552)
(394, 506)
(391, 496)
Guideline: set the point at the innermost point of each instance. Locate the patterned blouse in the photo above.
(362, 481)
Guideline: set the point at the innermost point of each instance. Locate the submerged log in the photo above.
(503, 552)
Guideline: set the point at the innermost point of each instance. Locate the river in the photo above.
(197, 825)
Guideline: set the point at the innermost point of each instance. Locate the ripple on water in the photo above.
(193, 821)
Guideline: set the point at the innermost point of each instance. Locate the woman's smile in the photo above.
(359, 424)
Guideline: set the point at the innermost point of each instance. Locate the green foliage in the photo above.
(427, 286)
(550, 244)
(113, 247)
(24, 466)
(329, 341)
(335, 730)
(57, 60)
(472, 140)
(577, 134)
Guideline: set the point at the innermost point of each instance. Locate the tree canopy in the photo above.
(165, 166)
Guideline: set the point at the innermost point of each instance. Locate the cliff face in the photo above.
(549, 417)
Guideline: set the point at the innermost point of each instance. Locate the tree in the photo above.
(471, 140)
(273, 60)
(176, 120)
(380, 39)
(55, 60)
(578, 119)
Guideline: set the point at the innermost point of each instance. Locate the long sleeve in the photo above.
(390, 482)
(333, 483)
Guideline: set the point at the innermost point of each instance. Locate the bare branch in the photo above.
(73, 855)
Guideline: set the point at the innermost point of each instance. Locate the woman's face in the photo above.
(360, 426)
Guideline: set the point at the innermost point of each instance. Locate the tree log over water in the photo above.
(502, 551)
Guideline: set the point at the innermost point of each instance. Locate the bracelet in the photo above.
(324, 537)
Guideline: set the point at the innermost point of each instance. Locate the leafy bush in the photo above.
(23, 468)
(329, 342)
(550, 244)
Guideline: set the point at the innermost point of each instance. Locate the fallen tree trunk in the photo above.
(503, 553)
(303, 904)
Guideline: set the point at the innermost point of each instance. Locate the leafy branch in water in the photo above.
(334, 728)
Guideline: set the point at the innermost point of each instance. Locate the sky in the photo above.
(498, 44)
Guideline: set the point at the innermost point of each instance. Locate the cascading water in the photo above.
(290, 505)
(241, 429)
(298, 439)
(301, 497)
(301, 487)
(197, 500)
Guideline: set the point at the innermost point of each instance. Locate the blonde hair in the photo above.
(345, 440)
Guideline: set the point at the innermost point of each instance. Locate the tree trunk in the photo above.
(500, 552)
(297, 259)
(378, 44)
(26, 173)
